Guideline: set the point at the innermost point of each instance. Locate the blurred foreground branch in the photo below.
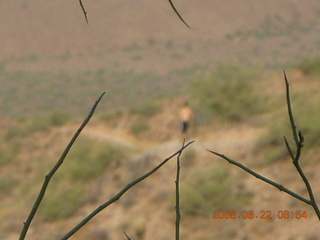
(127, 236)
(178, 216)
(53, 171)
(84, 11)
(122, 192)
(176, 11)
(299, 140)
(170, 1)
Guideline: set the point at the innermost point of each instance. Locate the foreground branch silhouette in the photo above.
(177, 182)
(123, 191)
(53, 171)
(299, 140)
(60, 161)
(178, 14)
(170, 1)
(84, 11)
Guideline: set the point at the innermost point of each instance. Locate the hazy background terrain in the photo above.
(53, 66)
(51, 58)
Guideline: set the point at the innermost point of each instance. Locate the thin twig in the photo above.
(299, 140)
(313, 202)
(119, 194)
(267, 180)
(288, 147)
(176, 11)
(178, 216)
(293, 125)
(53, 171)
(84, 11)
(127, 236)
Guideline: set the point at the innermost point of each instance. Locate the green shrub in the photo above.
(229, 93)
(147, 109)
(309, 65)
(62, 200)
(7, 183)
(2, 67)
(188, 157)
(70, 188)
(58, 118)
(44, 122)
(139, 126)
(207, 189)
(110, 115)
(8, 153)
(89, 159)
(307, 121)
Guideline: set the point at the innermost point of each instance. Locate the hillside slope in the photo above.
(148, 207)
(139, 52)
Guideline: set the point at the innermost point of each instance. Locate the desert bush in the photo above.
(138, 126)
(230, 92)
(89, 159)
(70, 190)
(147, 109)
(7, 183)
(63, 200)
(272, 141)
(309, 66)
(97, 234)
(189, 157)
(269, 147)
(26, 126)
(111, 115)
(8, 152)
(210, 188)
(44, 122)
(2, 67)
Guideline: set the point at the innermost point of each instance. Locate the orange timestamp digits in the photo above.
(263, 214)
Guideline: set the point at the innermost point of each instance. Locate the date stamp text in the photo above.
(263, 214)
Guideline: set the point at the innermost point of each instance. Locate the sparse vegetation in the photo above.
(63, 200)
(8, 152)
(294, 152)
(7, 183)
(147, 109)
(89, 159)
(272, 142)
(210, 188)
(138, 126)
(310, 66)
(44, 122)
(230, 92)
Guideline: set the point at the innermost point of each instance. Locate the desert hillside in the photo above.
(54, 66)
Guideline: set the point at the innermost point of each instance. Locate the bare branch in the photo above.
(299, 140)
(178, 216)
(127, 236)
(308, 186)
(288, 147)
(176, 11)
(293, 125)
(119, 194)
(267, 180)
(84, 11)
(53, 171)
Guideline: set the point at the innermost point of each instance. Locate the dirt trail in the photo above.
(110, 136)
(233, 140)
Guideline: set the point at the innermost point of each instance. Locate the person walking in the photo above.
(186, 118)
